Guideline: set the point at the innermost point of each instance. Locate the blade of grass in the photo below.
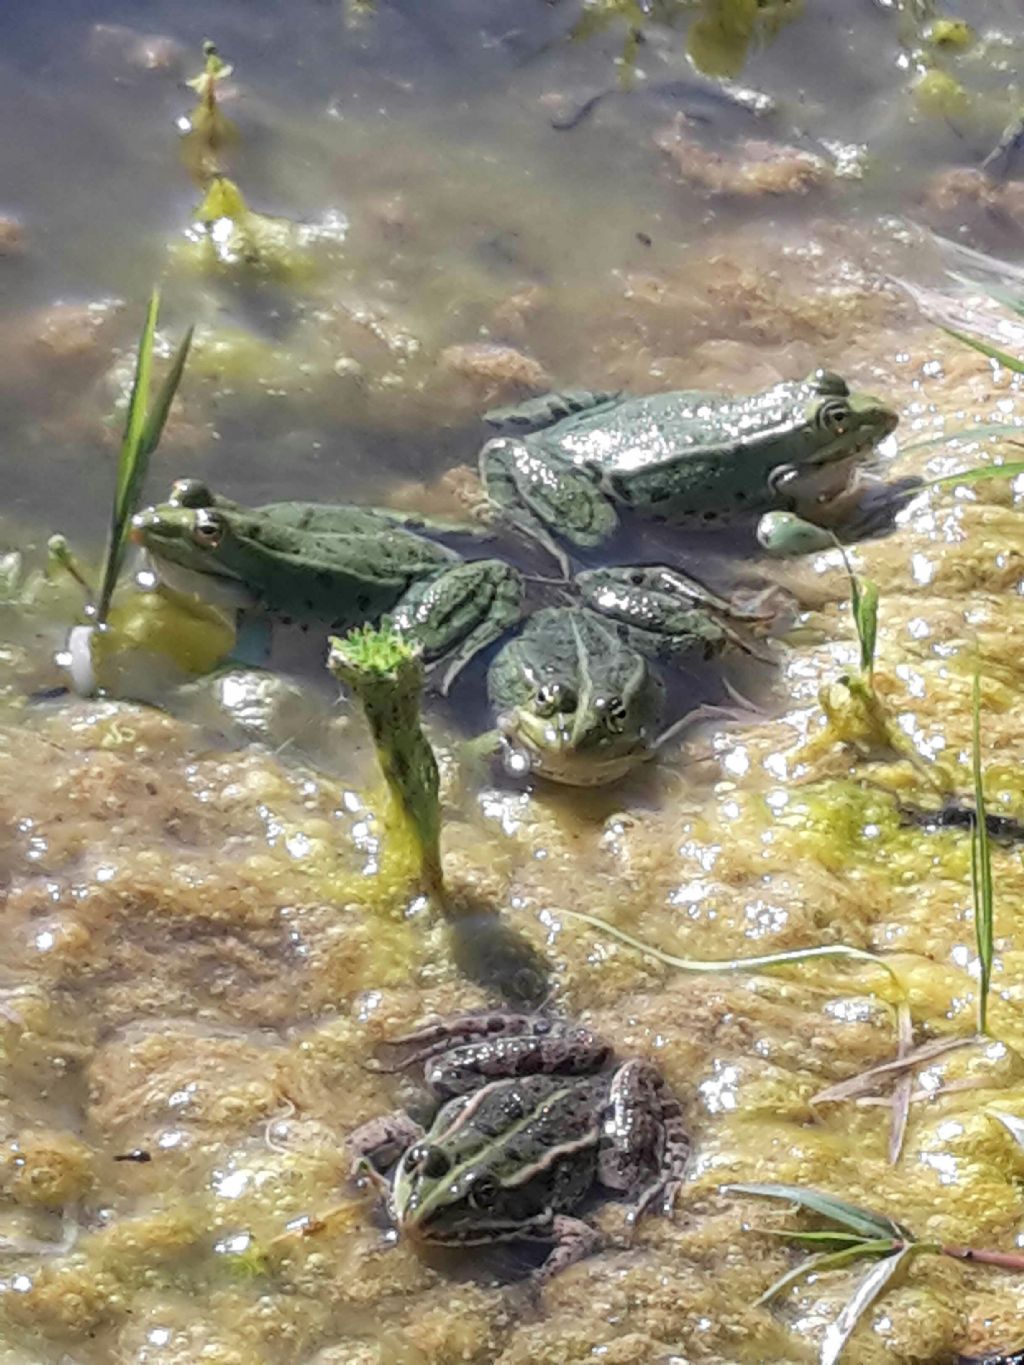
(865, 1222)
(1009, 470)
(1004, 358)
(981, 866)
(733, 964)
(869, 1289)
(142, 432)
(904, 1086)
(826, 1260)
(134, 425)
(979, 433)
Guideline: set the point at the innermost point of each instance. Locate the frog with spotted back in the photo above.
(535, 1117)
(338, 565)
(564, 465)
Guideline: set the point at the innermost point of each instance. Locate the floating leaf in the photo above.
(865, 1222)
(981, 866)
(869, 1289)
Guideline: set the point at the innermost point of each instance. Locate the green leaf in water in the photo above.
(870, 1288)
(1004, 358)
(860, 1249)
(142, 432)
(981, 866)
(864, 1222)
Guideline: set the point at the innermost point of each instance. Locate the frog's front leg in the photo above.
(573, 1239)
(543, 496)
(646, 1137)
(459, 1054)
(460, 612)
(378, 1144)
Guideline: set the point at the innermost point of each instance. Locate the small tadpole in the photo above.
(137, 1154)
(644, 239)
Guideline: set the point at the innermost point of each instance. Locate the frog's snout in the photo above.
(140, 524)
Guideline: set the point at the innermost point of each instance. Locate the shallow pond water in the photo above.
(207, 917)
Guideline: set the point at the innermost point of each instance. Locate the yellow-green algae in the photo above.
(202, 955)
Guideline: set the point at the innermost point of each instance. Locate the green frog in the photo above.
(574, 701)
(535, 1117)
(337, 565)
(667, 615)
(564, 465)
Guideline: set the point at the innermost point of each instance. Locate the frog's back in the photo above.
(341, 580)
(638, 432)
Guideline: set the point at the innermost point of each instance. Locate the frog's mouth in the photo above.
(532, 744)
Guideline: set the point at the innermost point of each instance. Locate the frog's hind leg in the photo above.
(573, 1240)
(541, 496)
(645, 1134)
(379, 1143)
(459, 613)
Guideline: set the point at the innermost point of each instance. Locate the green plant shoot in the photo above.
(142, 431)
(386, 674)
(981, 866)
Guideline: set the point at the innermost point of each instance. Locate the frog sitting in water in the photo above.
(535, 1118)
(338, 565)
(574, 696)
(565, 464)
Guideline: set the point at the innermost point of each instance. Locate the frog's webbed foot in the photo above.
(456, 615)
(573, 1239)
(378, 1144)
(540, 495)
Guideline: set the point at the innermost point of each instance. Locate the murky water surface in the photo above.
(207, 922)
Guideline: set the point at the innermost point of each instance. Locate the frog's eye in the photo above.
(833, 416)
(190, 493)
(483, 1192)
(208, 529)
(614, 711)
(637, 578)
(432, 1162)
(553, 698)
(828, 382)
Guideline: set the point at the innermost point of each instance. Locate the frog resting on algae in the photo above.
(535, 1117)
(564, 465)
(336, 564)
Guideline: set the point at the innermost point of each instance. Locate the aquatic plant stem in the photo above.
(386, 674)
(981, 865)
(735, 964)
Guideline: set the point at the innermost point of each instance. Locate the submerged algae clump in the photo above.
(386, 674)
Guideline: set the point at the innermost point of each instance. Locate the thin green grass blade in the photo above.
(1009, 470)
(835, 1241)
(734, 964)
(827, 1260)
(165, 397)
(867, 624)
(981, 866)
(865, 1222)
(131, 444)
(993, 352)
(870, 1288)
(987, 431)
